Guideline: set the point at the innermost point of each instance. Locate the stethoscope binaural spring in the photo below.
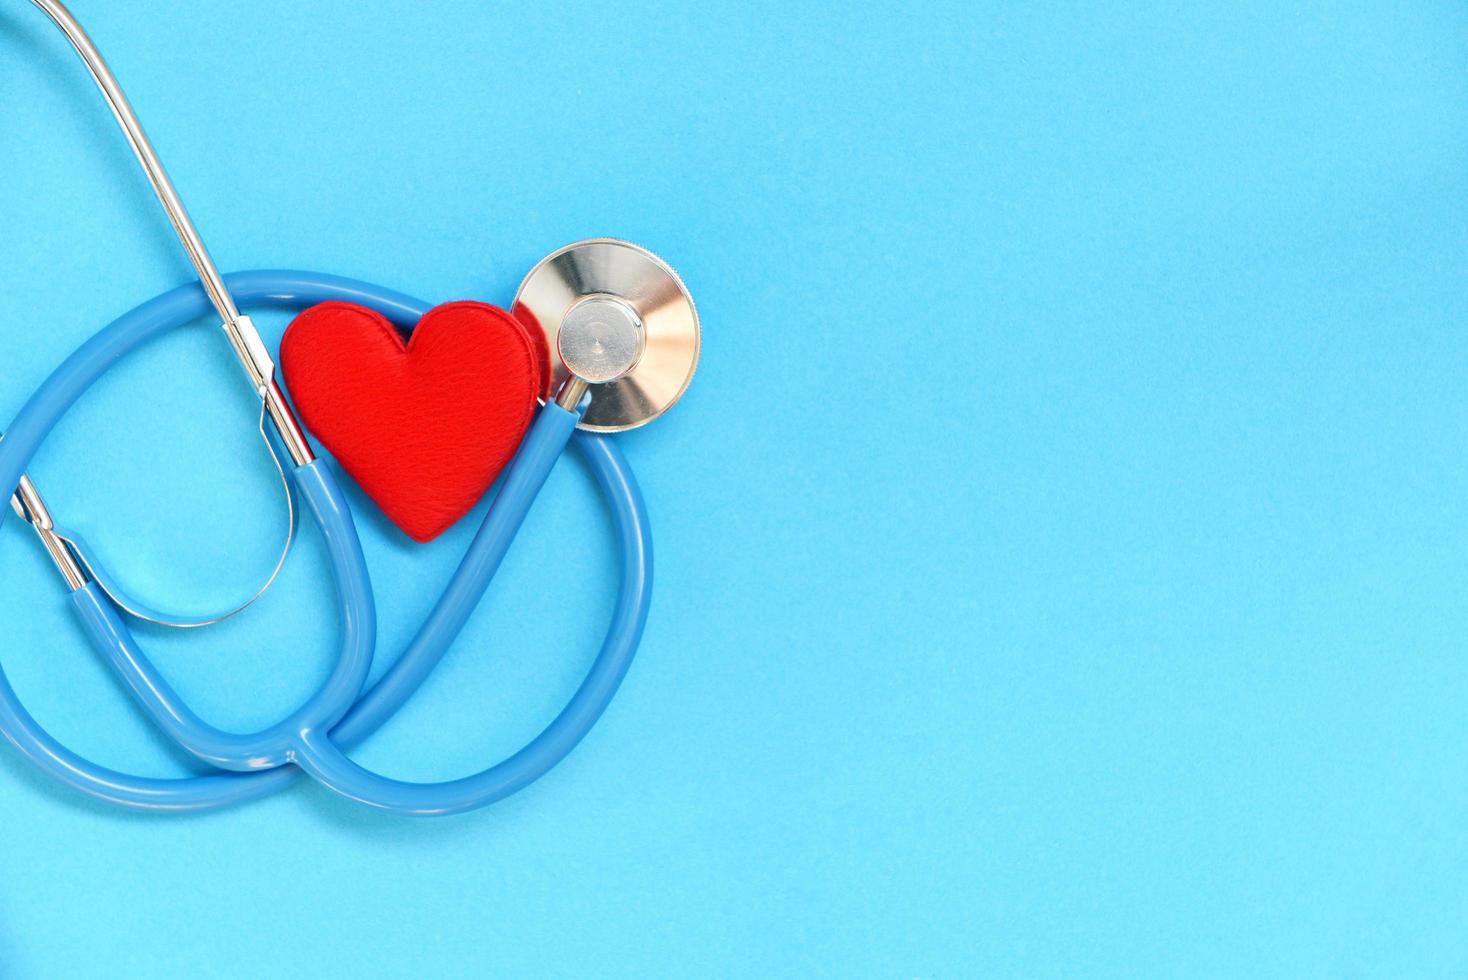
(626, 337)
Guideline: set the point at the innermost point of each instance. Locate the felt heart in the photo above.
(423, 426)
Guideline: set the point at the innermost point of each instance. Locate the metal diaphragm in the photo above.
(632, 331)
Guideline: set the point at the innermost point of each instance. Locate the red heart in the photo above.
(426, 426)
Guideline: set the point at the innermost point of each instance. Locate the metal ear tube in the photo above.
(29, 507)
(243, 336)
(244, 339)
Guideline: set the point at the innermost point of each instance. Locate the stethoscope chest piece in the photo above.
(619, 318)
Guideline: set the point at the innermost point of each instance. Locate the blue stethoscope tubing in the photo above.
(316, 737)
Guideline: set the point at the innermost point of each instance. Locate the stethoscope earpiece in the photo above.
(622, 328)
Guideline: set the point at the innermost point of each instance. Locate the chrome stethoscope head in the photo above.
(623, 328)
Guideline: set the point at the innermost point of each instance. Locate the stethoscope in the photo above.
(626, 337)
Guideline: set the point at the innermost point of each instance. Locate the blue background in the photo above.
(1061, 551)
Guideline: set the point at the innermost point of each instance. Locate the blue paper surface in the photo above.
(1061, 551)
